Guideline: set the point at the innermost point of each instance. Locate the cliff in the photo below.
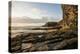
(70, 16)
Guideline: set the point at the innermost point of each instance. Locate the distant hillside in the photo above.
(50, 24)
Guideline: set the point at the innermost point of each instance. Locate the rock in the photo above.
(64, 43)
(14, 43)
(43, 48)
(69, 34)
(39, 47)
(26, 45)
(16, 48)
(70, 16)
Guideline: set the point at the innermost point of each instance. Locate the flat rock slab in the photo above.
(26, 45)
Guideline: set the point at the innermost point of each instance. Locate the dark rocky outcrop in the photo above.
(50, 24)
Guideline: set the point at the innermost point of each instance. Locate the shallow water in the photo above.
(18, 31)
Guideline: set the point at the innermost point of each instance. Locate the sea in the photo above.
(17, 28)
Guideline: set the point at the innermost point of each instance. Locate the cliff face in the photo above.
(70, 16)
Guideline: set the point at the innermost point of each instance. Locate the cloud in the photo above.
(38, 11)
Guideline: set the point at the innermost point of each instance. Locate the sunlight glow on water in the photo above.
(26, 24)
(18, 28)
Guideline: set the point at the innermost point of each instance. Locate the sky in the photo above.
(36, 10)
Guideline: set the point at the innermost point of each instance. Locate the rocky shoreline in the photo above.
(44, 41)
